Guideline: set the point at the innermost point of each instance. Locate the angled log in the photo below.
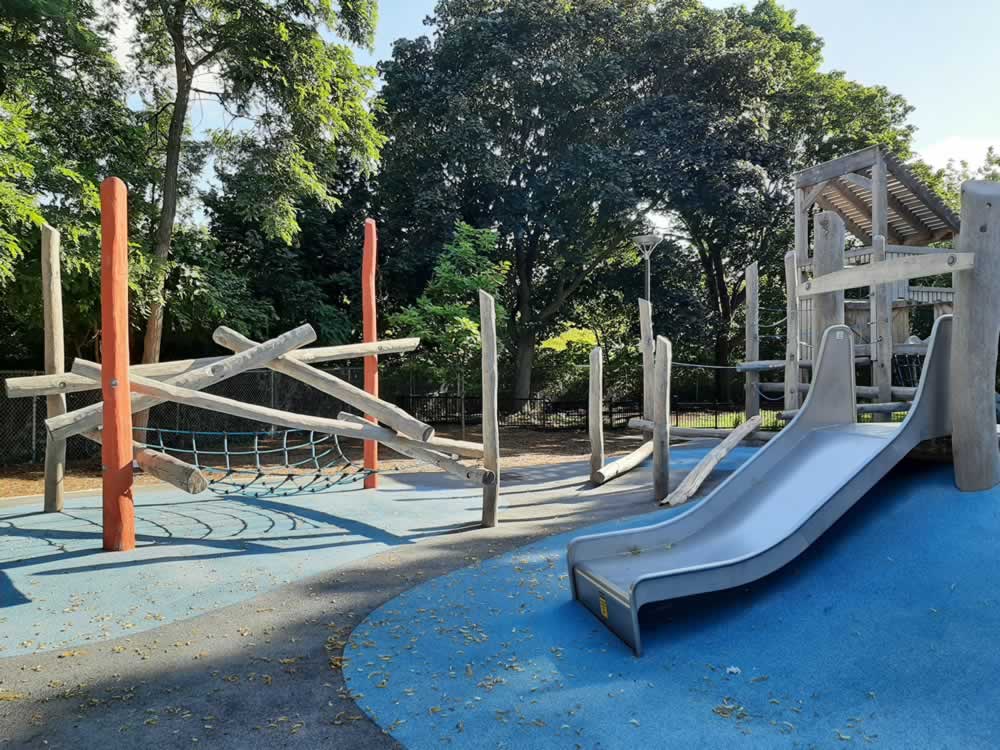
(386, 413)
(622, 465)
(90, 417)
(163, 466)
(694, 480)
(48, 385)
(462, 448)
(420, 451)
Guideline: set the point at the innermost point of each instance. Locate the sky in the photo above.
(943, 57)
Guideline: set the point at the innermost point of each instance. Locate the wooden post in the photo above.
(55, 364)
(882, 302)
(974, 342)
(801, 229)
(661, 419)
(491, 420)
(753, 339)
(116, 445)
(881, 349)
(647, 344)
(828, 309)
(791, 332)
(595, 410)
(370, 331)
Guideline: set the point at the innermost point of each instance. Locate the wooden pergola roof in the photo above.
(917, 215)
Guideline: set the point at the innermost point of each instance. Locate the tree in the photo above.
(291, 99)
(512, 118)
(446, 315)
(733, 102)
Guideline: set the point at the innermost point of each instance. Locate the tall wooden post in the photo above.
(881, 349)
(55, 364)
(974, 341)
(116, 443)
(828, 309)
(491, 419)
(791, 333)
(661, 419)
(370, 335)
(595, 410)
(801, 228)
(647, 344)
(753, 339)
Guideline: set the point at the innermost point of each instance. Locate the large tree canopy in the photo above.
(561, 124)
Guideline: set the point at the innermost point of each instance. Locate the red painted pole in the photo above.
(116, 436)
(370, 336)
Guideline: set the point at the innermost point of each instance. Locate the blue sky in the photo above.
(942, 56)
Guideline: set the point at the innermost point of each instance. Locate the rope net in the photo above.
(278, 463)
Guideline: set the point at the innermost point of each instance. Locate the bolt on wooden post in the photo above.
(116, 447)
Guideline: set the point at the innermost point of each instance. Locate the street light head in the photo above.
(647, 243)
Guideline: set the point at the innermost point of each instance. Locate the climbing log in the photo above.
(90, 417)
(622, 465)
(456, 447)
(48, 385)
(693, 481)
(386, 413)
(420, 452)
(595, 410)
(661, 418)
(491, 417)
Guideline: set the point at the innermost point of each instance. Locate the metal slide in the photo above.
(774, 506)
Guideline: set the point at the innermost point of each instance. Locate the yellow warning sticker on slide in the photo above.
(604, 605)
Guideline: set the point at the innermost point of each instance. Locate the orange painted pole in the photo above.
(116, 436)
(370, 335)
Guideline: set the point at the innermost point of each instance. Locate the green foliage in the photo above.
(446, 315)
(18, 208)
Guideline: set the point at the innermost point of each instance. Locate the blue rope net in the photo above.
(278, 463)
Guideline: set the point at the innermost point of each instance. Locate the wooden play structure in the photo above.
(126, 390)
(895, 219)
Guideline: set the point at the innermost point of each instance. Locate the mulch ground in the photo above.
(518, 448)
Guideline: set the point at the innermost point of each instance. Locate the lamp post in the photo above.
(647, 243)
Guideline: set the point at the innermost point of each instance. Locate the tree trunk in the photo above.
(168, 210)
(524, 361)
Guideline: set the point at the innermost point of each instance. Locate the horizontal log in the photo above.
(48, 385)
(892, 407)
(773, 365)
(420, 451)
(457, 447)
(386, 413)
(862, 391)
(697, 476)
(163, 466)
(90, 417)
(623, 465)
(637, 423)
(887, 271)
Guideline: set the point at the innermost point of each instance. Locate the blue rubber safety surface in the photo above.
(882, 635)
(195, 554)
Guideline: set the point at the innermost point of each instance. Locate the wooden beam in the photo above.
(892, 407)
(595, 410)
(696, 478)
(809, 198)
(801, 235)
(858, 180)
(647, 345)
(91, 417)
(906, 178)
(47, 385)
(636, 423)
(881, 349)
(752, 395)
(895, 269)
(331, 385)
(828, 309)
(55, 364)
(623, 465)
(855, 162)
(491, 416)
(661, 418)
(863, 391)
(856, 229)
(774, 365)
(792, 369)
(456, 447)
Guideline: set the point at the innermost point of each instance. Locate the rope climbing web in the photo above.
(278, 463)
